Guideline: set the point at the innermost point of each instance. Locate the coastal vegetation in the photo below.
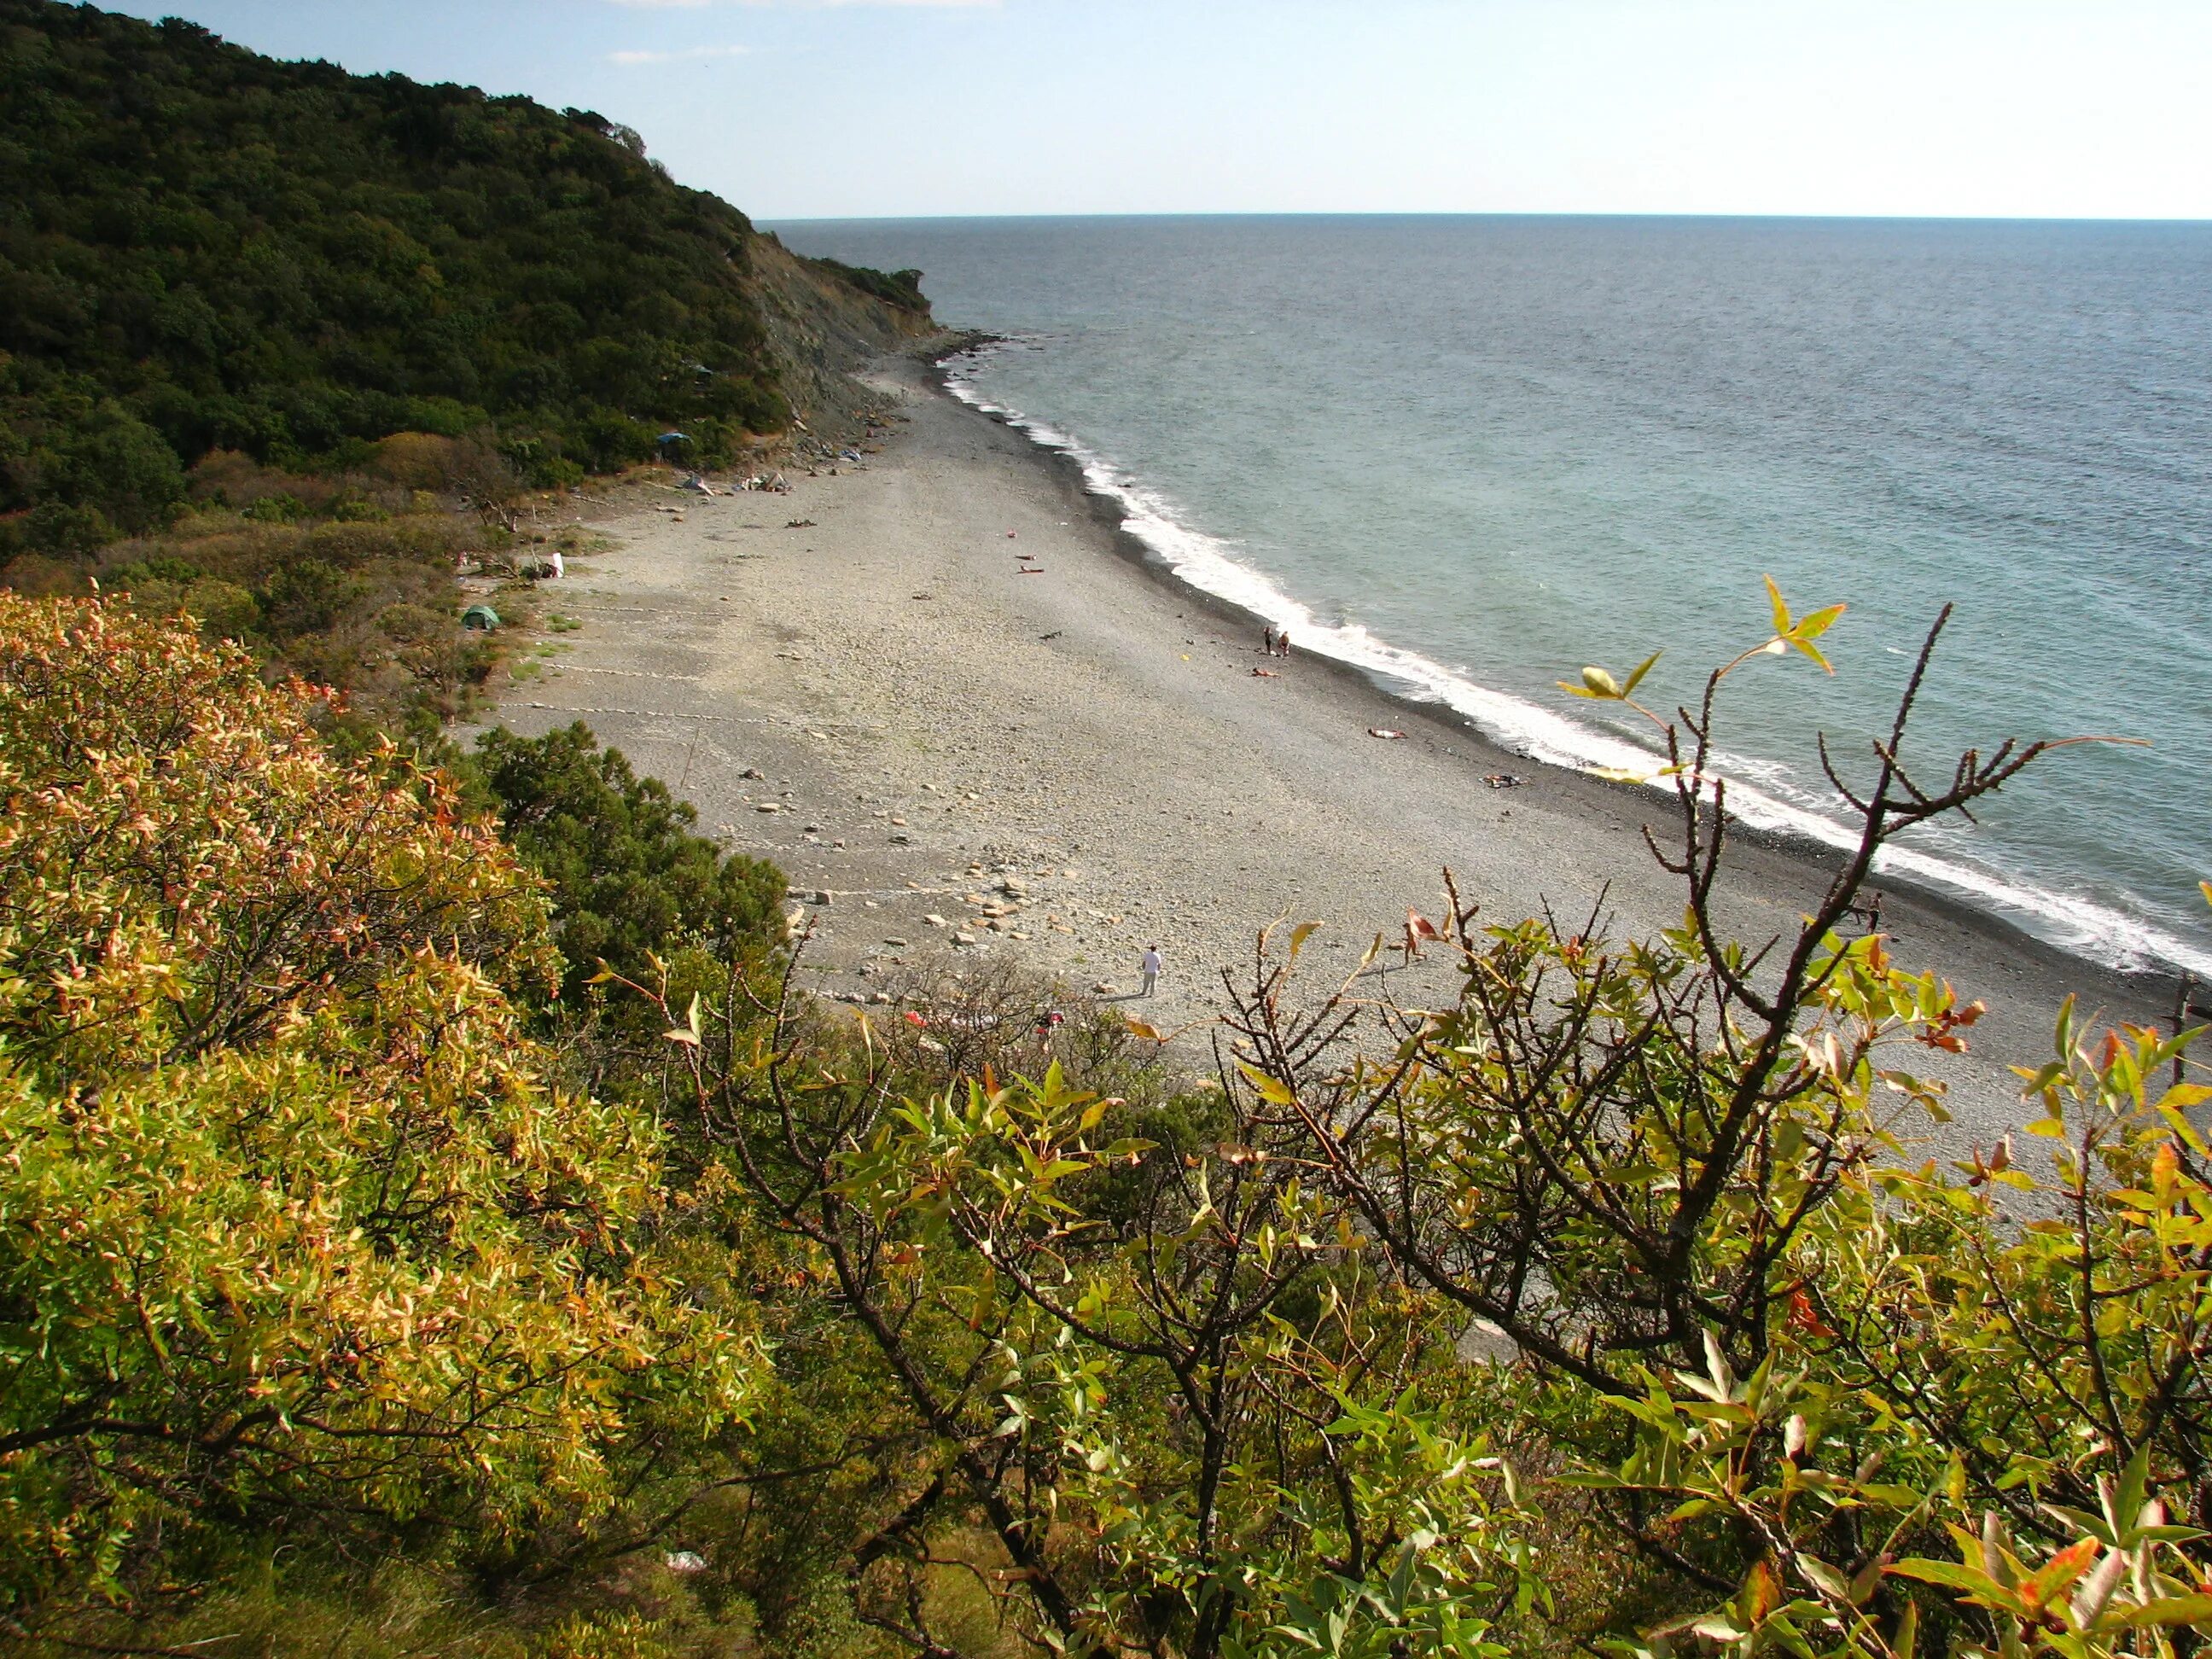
(367, 1269)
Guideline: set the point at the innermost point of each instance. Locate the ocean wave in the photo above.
(1760, 792)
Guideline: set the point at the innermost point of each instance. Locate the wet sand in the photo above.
(980, 745)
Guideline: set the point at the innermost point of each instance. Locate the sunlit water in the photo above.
(1473, 454)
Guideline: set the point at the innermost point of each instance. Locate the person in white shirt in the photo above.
(1151, 966)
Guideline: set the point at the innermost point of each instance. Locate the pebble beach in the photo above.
(943, 692)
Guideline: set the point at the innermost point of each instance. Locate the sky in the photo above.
(796, 109)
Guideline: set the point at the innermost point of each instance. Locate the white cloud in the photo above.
(642, 56)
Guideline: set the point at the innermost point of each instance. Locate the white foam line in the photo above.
(2074, 923)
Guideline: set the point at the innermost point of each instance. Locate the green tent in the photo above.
(480, 617)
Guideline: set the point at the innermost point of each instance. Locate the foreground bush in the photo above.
(1606, 1307)
(290, 1223)
(1756, 1382)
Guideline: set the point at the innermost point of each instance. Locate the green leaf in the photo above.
(1812, 627)
(1781, 611)
(1908, 1631)
(1273, 1092)
(1952, 1575)
(1811, 650)
(2172, 1610)
(1636, 675)
(1824, 1577)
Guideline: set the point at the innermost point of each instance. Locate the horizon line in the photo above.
(1497, 213)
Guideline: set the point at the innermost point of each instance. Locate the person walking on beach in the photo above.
(1150, 968)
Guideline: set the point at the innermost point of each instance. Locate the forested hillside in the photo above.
(203, 249)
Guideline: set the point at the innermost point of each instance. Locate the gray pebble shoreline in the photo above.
(966, 715)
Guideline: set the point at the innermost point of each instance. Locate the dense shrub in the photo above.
(291, 1223)
(629, 879)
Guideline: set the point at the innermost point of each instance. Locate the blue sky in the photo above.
(831, 108)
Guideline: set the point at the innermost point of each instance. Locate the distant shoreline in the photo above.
(1067, 469)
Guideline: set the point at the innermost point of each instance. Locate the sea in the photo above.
(1471, 455)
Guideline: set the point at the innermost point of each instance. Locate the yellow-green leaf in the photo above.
(1270, 1089)
(1781, 611)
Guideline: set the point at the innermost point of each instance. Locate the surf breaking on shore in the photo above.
(1206, 562)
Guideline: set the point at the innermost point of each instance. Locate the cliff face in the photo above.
(823, 321)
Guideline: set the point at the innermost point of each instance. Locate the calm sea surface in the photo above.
(1473, 454)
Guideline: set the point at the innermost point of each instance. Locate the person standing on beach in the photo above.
(1268, 640)
(1150, 968)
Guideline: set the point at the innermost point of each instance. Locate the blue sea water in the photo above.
(1473, 454)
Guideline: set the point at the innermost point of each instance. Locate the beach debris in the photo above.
(753, 772)
(1504, 780)
(1010, 535)
(895, 942)
(1030, 570)
(1265, 674)
(900, 838)
(684, 1561)
(799, 523)
(1105, 987)
(1054, 635)
(1391, 733)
